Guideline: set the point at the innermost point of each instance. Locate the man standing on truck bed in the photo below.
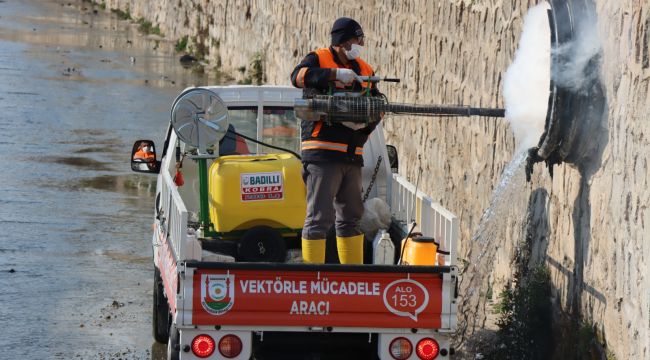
(332, 152)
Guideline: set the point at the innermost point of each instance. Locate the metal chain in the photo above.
(372, 179)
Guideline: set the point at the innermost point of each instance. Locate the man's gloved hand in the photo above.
(346, 76)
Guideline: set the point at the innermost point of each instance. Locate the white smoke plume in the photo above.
(572, 70)
(526, 82)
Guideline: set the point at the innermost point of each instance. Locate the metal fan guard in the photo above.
(199, 118)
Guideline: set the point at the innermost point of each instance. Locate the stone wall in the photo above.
(587, 224)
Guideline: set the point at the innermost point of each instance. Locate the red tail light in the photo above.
(230, 346)
(427, 349)
(400, 348)
(203, 346)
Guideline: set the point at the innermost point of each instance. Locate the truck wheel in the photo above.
(262, 244)
(160, 318)
(173, 344)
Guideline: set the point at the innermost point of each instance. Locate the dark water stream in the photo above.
(76, 89)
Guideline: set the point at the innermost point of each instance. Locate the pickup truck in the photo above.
(216, 298)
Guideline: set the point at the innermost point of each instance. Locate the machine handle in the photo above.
(376, 79)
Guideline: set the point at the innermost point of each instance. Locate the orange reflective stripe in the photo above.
(300, 78)
(359, 151)
(319, 125)
(326, 145)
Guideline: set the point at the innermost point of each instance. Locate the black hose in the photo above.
(401, 256)
(487, 112)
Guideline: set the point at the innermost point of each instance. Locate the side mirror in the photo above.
(143, 157)
(392, 158)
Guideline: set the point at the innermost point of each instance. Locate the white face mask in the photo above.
(354, 52)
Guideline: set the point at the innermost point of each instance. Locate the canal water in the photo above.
(77, 87)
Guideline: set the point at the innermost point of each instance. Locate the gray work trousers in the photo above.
(333, 197)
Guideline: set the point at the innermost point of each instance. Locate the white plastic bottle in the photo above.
(383, 249)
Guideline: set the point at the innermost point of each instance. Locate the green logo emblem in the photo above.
(217, 293)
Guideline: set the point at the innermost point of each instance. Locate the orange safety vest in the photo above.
(333, 141)
(144, 155)
(326, 61)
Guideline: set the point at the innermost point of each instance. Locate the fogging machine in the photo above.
(361, 107)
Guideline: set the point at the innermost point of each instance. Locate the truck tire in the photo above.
(173, 344)
(262, 244)
(160, 316)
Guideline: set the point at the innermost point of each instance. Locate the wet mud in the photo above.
(79, 162)
(77, 87)
(87, 150)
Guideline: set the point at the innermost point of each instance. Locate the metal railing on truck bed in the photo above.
(432, 218)
(173, 216)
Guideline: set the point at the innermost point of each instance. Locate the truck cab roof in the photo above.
(246, 95)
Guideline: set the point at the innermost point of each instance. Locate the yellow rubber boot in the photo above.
(350, 249)
(313, 251)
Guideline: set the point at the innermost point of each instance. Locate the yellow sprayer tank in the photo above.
(247, 191)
